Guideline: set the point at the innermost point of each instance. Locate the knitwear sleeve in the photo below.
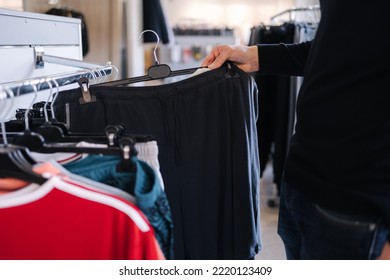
(283, 59)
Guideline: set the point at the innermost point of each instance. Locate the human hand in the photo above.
(385, 252)
(246, 58)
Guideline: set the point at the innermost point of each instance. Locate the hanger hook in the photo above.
(115, 68)
(91, 73)
(155, 47)
(5, 111)
(99, 74)
(47, 81)
(53, 115)
(35, 89)
(3, 95)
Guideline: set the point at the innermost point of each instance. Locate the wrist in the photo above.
(254, 55)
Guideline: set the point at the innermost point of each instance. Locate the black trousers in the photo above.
(205, 127)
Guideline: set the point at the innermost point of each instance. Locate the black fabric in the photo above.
(74, 14)
(154, 19)
(274, 103)
(205, 127)
(340, 153)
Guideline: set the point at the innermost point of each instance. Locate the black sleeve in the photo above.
(283, 59)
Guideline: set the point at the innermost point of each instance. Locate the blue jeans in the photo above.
(313, 232)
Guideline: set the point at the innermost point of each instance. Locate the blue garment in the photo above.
(313, 232)
(143, 184)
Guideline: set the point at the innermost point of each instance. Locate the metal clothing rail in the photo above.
(293, 10)
(40, 59)
(26, 86)
(88, 70)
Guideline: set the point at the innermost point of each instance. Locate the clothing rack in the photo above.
(292, 11)
(89, 70)
(294, 25)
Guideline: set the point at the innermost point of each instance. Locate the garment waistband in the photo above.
(147, 150)
(162, 91)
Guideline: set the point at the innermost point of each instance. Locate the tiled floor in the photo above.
(272, 244)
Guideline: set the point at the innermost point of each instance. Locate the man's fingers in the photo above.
(216, 57)
(221, 56)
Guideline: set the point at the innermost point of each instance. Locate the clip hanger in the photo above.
(87, 96)
(156, 71)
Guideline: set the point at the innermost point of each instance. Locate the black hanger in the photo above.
(36, 142)
(53, 136)
(155, 72)
(13, 163)
(54, 131)
(128, 151)
(111, 132)
(125, 148)
(51, 130)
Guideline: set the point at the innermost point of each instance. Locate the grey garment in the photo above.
(148, 152)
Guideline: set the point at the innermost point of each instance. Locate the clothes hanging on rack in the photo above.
(143, 187)
(50, 215)
(205, 127)
(278, 93)
(143, 184)
(69, 220)
(305, 14)
(146, 188)
(146, 151)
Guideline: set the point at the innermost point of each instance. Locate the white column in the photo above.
(302, 3)
(135, 53)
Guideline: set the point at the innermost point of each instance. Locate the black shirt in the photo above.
(340, 153)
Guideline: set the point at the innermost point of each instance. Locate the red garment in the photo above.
(61, 220)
